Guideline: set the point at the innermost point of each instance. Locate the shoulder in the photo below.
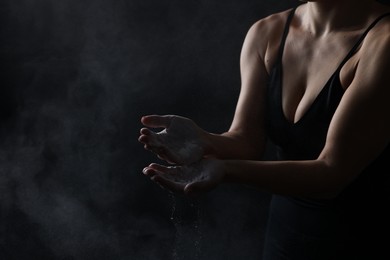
(372, 73)
(267, 32)
(379, 35)
(376, 46)
(270, 25)
(382, 25)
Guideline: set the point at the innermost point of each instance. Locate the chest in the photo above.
(308, 64)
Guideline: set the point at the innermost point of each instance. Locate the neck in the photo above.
(322, 17)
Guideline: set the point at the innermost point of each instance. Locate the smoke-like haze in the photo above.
(76, 76)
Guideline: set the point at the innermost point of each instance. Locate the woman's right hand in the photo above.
(180, 142)
(191, 180)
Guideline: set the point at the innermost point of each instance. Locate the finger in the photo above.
(145, 131)
(155, 168)
(156, 120)
(150, 172)
(148, 148)
(158, 167)
(168, 184)
(143, 139)
(152, 140)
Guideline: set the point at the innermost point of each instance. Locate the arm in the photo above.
(358, 133)
(246, 137)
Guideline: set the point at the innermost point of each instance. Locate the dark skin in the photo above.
(359, 131)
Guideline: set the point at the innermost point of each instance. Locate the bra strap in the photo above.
(360, 40)
(285, 32)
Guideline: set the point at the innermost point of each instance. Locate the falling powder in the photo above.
(187, 220)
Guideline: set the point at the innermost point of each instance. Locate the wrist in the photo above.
(206, 144)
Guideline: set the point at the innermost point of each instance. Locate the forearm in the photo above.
(312, 178)
(231, 145)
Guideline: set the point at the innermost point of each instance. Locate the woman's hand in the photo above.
(180, 142)
(191, 179)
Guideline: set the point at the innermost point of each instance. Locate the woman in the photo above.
(315, 80)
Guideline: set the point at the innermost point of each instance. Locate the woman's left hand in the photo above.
(191, 179)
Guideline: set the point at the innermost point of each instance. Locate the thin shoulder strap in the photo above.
(285, 32)
(359, 41)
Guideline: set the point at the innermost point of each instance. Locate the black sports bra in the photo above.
(305, 138)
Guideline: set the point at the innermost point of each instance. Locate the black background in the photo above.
(76, 76)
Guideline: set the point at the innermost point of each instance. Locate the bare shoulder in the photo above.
(376, 46)
(372, 73)
(379, 35)
(271, 25)
(381, 30)
(265, 34)
(272, 21)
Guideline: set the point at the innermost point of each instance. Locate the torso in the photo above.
(312, 224)
(303, 75)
